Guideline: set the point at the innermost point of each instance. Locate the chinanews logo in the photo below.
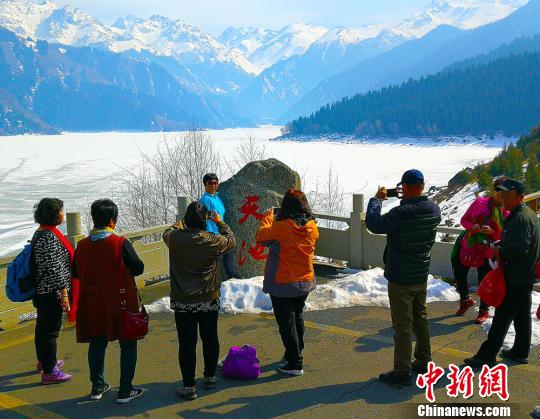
(491, 381)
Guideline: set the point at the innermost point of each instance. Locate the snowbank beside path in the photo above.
(363, 288)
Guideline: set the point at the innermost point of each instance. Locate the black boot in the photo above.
(396, 379)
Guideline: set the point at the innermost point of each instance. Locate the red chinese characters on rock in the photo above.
(250, 209)
(460, 382)
(494, 381)
(429, 379)
(257, 252)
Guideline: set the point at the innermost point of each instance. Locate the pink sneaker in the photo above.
(464, 305)
(59, 365)
(56, 377)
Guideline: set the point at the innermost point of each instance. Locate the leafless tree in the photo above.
(248, 151)
(148, 194)
(328, 197)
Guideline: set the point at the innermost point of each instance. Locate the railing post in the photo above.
(74, 229)
(355, 228)
(533, 204)
(183, 202)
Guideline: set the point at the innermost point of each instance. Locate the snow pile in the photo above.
(363, 288)
(245, 296)
(369, 288)
(163, 305)
(511, 335)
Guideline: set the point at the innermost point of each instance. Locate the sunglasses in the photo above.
(213, 182)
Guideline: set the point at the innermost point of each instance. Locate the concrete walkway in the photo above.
(346, 349)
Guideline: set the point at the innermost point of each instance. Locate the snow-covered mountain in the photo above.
(266, 71)
(157, 37)
(246, 41)
(419, 57)
(463, 14)
(48, 21)
(264, 47)
(278, 87)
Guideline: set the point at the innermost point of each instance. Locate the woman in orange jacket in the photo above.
(289, 276)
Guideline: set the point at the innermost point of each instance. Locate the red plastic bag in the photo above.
(492, 289)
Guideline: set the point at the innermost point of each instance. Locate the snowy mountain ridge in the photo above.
(265, 48)
(158, 35)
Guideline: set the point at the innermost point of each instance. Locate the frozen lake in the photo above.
(80, 167)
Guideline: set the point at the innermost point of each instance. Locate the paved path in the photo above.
(346, 350)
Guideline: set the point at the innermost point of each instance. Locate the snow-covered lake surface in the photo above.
(80, 167)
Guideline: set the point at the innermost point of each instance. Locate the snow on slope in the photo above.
(292, 40)
(246, 41)
(464, 14)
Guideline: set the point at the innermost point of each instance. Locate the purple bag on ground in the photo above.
(242, 362)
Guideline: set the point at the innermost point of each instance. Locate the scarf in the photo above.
(495, 220)
(75, 285)
(100, 233)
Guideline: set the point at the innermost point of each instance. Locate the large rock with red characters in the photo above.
(247, 195)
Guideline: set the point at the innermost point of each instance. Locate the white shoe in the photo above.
(136, 392)
(288, 370)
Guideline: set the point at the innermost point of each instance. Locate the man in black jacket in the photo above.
(519, 252)
(411, 229)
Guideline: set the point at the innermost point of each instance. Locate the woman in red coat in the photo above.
(98, 265)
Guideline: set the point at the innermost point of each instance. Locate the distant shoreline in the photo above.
(443, 140)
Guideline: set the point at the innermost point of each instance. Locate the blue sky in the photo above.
(215, 15)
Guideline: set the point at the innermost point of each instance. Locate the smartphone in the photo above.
(392, 193)
(277, 211)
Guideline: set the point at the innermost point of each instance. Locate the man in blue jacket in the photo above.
(411, 229)
(213, 202)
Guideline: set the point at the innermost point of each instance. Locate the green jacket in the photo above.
(520, 247)
(193, 259)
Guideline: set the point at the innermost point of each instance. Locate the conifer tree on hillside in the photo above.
(519, 161)
(498, 97)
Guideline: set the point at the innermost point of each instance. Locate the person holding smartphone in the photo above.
(195, 290)
(411, 229)
(289, 277)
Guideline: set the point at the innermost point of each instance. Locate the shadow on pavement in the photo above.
(157, 395)
(384, 338)
(371, 391)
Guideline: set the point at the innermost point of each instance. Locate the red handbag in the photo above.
(492, 289)
(537, 270)
(472, 257)
(133, 326)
